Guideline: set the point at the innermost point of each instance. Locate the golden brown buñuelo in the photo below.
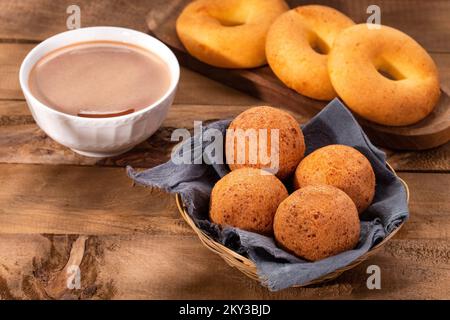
(340, 166)
(317, 222)
(248, 199)
(291, 143)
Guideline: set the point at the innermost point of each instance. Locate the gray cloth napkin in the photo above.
(278, 269)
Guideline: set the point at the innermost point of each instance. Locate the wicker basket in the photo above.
(247, 267)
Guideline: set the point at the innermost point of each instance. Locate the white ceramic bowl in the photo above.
(100, 137)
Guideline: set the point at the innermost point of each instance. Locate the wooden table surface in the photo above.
(58, 208)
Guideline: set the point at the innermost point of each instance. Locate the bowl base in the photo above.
(101, 154)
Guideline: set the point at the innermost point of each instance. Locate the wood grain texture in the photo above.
(21, 141)
(429, 207)
(432, 131)
(434, 160)
(99, 201)
(11, 56)
(38, 19)
(82, 200)
(130, 242)
(163, 267)
(425, 21)
(27, 144)
(428, 133)
(191, 83)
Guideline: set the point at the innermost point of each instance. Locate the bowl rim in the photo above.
(170, 60)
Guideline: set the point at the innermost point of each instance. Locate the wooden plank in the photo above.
(190, 84)
(21, 141)
(11, 56)
(432, 131)
(193, 88)
(429, 207)
(38, 19)
(425, 21)
(157, 256)
(433, 160)
(168, 267)
(98, 201)
(82, 200)
(443, 62)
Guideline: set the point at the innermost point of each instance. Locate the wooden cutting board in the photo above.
(263, 84)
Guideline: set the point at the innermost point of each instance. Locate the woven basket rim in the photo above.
(246, 266)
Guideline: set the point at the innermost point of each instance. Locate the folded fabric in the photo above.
(278, 269)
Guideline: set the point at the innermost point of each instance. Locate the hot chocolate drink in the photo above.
(99, 79)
